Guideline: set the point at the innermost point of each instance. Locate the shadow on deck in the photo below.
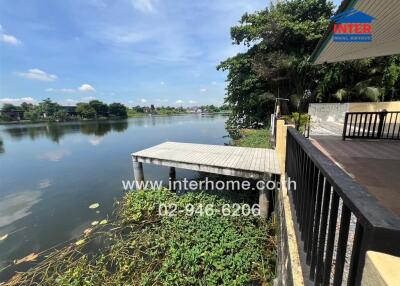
(374, 164)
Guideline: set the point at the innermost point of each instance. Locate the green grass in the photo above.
(143, 248)
(132, 113)
(256, 138)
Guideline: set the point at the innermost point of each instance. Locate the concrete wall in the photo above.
(289, 269)
(374, 106)
(381, 270)
(331, 112)
(335, 112)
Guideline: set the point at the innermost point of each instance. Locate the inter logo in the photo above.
(352, 26)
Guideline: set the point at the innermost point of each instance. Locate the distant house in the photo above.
(194, 109)
(71, 110)
(12, 115)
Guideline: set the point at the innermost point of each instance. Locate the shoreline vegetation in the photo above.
(49, 111)
(256, 138)
(141, 247)
(138, 246)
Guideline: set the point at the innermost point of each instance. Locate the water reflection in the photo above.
(16, 206)
(44, 184)
(55, 155)
(55, 131)
(51, 173)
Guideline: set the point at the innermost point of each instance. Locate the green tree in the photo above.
(100, 108)
(32, 114)
(27, 106)
(118, 110)
(85, 111)
(61, 115)
(391, 76)
(280, 40)
(48, 108)
(138, 109)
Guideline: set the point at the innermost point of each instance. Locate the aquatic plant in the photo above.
(141, 247)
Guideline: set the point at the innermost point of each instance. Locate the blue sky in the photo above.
(161, 52)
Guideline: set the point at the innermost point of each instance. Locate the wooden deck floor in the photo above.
(375, 164)
(225, 160)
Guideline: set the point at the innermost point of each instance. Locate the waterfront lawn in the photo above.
(141, 247)
(256, 138)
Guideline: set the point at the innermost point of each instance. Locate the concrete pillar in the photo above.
(172, 178)
(138, 173)
(264, 197)
(263, 201)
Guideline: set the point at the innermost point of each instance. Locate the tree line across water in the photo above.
(280, 41)
(47, 110)
(171, 110)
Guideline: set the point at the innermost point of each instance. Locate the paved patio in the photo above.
(375, 164)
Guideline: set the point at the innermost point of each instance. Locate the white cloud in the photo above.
(203, 89)
(63, 90)
(86, 88)
(162, 100)
(68, 102)
(143, 100)
(162, 83)
(192, 101)
(179, 101)
(8, 39)
(37, 74)
(17, 101)
(144, 6)
(88, 98)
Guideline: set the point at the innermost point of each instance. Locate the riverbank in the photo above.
(65, 121)
(256, 138)
(143, 247)
(137, 246)
(137, 115)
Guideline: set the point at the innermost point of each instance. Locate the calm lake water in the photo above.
(51, 173)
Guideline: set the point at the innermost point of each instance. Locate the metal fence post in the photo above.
(346, 117)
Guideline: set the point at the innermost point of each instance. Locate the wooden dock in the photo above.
(224, 160)
(254, 163)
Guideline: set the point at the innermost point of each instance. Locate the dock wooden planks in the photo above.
(225, 160)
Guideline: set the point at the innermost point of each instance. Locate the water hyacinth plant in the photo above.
(141, 247)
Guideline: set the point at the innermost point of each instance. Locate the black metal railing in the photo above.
(336, 217)
(372, 125)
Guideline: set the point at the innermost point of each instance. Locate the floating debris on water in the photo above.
(94, 206)
(28, 258)
(79, 242)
